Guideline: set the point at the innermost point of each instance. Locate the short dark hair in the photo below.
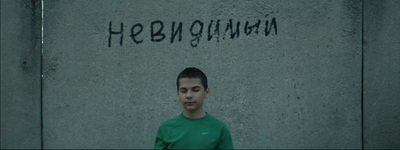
(192, 72)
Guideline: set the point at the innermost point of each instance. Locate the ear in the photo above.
(207, 92)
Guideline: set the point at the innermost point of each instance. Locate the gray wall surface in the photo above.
(294, 84)
(282, 74)
(382, 74)
(20, 74)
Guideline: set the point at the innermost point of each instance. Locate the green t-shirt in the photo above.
(181, 132)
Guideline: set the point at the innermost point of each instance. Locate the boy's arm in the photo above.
(160, 143)
(226, 139)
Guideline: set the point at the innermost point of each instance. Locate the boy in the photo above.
(193, 128)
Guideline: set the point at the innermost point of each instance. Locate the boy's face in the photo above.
(191, 93)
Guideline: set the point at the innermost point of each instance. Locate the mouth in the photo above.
(190, 103)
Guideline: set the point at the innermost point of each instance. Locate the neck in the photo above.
(195, 114)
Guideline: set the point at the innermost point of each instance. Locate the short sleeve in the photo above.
(225, 139)
(160, 141)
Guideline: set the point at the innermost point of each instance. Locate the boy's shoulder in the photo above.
(172, 121)
(179, 119)
(215, 120)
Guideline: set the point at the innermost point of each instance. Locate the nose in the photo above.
(189, 95)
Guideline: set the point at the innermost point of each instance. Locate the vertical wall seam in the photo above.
(362, 74)
(41, 76)
(36, 22)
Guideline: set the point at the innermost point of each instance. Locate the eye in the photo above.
(183, 90)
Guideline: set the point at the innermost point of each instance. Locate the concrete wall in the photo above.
(20, 74)
(294, 84)
(282, 74)
(381, 74)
